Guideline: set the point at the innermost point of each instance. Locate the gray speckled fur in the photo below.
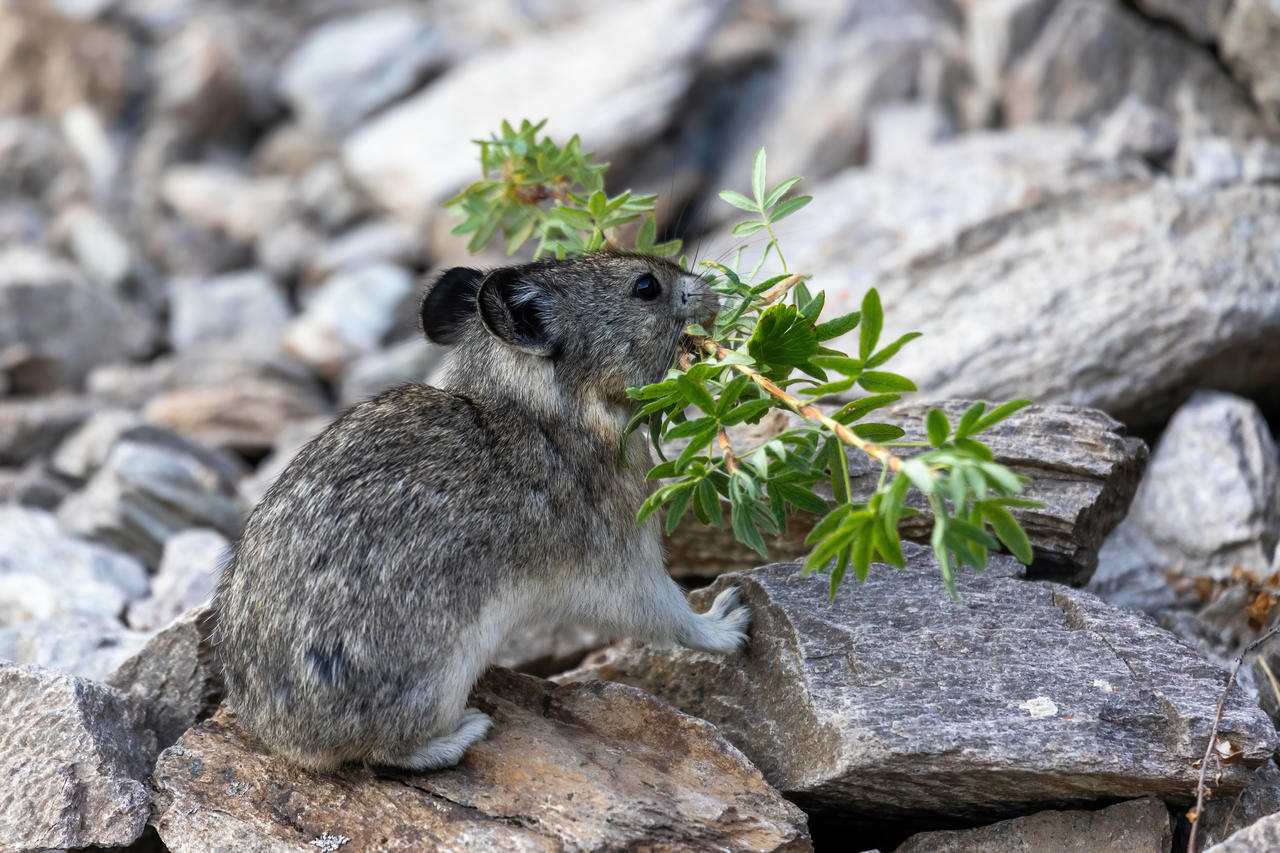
(377, 576)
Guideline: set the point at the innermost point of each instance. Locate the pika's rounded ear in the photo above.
(515, 311)
(448, 302)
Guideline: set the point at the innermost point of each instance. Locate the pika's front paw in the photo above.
(724, 625)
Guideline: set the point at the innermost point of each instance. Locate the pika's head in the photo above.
(604, 321)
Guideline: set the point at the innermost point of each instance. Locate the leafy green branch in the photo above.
(768, 348)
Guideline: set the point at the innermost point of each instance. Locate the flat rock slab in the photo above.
(74, 759)
(894, 703)
(1082, 465)
(1138, 826)
(595, 766)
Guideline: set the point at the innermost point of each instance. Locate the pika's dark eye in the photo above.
(646, 287)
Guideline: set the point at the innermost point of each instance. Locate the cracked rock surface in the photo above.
(585, 767)
(892, 703)
(82, 753)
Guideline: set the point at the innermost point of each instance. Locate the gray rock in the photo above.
(84, 450)
(878, 55)
(327, 197)
(1259, 837)
(900, 132)
(1137, 826)
(1250, 45)
(226, 201)
(32, 427)
(621, 73)
(55, 326)
(212, 366)
(246, 308)
(97, 247)
(1200, 19)
(348, 68)
(1136, 129)
(1224, 816)
(1208, 507)
(1127, 55)
(370, 375)
(84, 645)
(548, 649)
(188, 573)
(197, 81)
(1212, 161)
(173, 678)
(998, 32)
(152, 485)
(892, 703)
(348, 316)
(285, 251)
(35, 485)
(74, 760)
(380, 241)
(1028, 227)
(1261, 162)
(46, 573)
(1082, 468)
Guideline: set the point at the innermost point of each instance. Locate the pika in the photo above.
(377, 576)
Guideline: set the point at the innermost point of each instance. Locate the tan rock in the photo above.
(245, 417)
(1138, 826)
(588, 767)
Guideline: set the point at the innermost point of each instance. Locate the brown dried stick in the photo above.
(1213, 735)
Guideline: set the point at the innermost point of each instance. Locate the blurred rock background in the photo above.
(215, 217)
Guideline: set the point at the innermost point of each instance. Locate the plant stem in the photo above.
(780, 289)
(808, 411)
(726, 450)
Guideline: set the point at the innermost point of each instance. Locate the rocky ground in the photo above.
(213, 220)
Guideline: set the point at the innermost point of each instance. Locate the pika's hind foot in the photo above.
(724, 626)
(446, 750)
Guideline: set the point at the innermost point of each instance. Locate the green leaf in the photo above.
(1009, 532)
(878, 432)
(841, 364)
(839, 326)
(748, 411)
(837, 387)
(782, 338)
(647, 234)
(597, 204)
(891, 350)
(745, 530)
(779, 191)
(975, 448)
(829, 523)
(678, 505)
(757, 177)
(861, 557)
(918, 473)
(789, 207)
(739, 201)
(1002, 477)
(732, 391)
(872, 322)
(969, 418)
(937, 426)
(747, 228)
(893, 501)
(689, 428)
(859, 409)
(973, 533)
(888, 543)
(878, 381)
(802, 498)
(998, 414)
(709, 501)
(697, 394)
(940, 552)
(696, 445)
(656, 500)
